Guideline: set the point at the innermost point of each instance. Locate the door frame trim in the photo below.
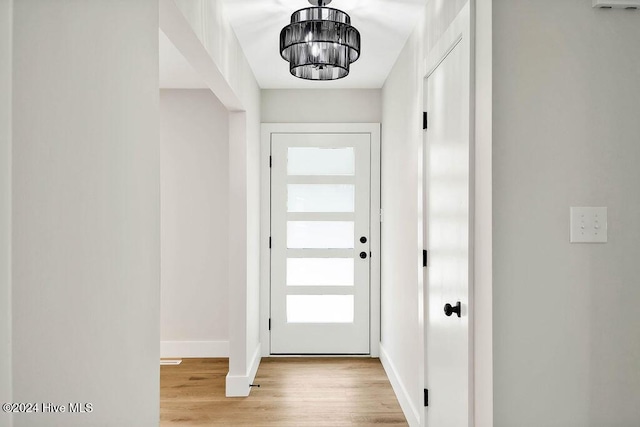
(265, 221)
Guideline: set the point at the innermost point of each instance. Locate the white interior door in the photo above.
(448, 217)
(320, 240)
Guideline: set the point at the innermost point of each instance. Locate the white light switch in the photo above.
(588, 225)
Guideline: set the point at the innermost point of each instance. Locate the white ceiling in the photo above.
(384, 27)
(175, 71)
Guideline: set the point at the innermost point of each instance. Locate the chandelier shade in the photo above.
(320, 43)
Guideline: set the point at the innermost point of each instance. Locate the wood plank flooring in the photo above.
(298, 392)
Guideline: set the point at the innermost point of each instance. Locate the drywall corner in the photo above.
(240, 385)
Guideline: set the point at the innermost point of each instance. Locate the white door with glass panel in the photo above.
(320, 214)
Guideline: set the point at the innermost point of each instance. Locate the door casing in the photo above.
(265, 220)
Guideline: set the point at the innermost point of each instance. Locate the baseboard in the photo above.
(411, 413)
(239, 385)
(194, 349)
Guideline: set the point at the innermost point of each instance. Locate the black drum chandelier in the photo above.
(320, 43)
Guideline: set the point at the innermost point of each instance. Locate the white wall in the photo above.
(5, 206)
(86, 210)
(566, 133)
(194, 143)
(208, 21)
(402, 106)
(401, 96)
(321, 106)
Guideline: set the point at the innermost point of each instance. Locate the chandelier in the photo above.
(320, 42)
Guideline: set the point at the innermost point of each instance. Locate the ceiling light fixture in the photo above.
(320, 43)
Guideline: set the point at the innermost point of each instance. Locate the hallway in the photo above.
(293, 392)
(170, 187)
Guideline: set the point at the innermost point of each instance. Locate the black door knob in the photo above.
(363, 239)
(363, 255)
(449, 309)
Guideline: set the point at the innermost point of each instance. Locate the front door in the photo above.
(320, 239)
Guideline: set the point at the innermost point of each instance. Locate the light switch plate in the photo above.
(617, 4)
(588, 225)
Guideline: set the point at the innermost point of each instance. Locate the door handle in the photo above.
(363, 255)
(363, 239)
(449, 309)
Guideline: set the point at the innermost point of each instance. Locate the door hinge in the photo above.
(425, 258)
(425, 121)
(269, 242)
(426, 397)
(270, 161)
(381, 216)
(269, 323)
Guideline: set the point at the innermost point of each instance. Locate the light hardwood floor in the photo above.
(294, 392)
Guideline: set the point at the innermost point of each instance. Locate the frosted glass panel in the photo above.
(320, 271)
(320, 308)
(320, 197)
(320, 234)
(321, 161)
